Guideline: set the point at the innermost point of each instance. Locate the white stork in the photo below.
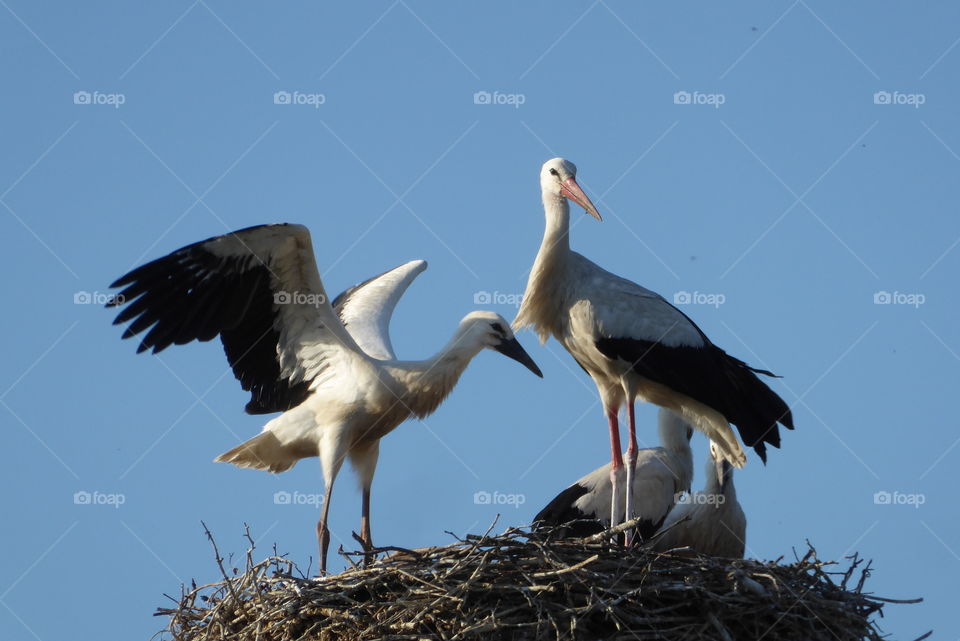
(662, 474)
(715, 523)
(330, 369)
(634, 344)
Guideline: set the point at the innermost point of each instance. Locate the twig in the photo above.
(572, 568)
(216, 554)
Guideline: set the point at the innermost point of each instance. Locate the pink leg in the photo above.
(616, 462)
(631, 468)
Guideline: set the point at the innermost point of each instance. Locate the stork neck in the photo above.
(541, 306)
(713, 482)
(673, 432)
(675, 443)
(556, 237)
(429, 382)
(674, 439)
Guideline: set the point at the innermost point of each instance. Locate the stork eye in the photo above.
(498, 328)
(554, 171)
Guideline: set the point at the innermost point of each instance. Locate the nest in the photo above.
(523, 586)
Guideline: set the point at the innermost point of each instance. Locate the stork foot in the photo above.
(368, 555)
(366, 546)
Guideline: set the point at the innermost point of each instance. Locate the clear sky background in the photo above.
(785, 188)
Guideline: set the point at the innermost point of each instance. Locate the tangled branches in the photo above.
(523, 586)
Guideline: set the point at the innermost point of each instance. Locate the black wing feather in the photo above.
(561, 511)
(710, 375)
(569, 521)
(193, 294)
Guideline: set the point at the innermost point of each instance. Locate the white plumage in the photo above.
(365, 309)
(634, 344)
(710, 522)
(662, 474)
(330, 369)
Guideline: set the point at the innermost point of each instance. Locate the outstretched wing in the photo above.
(365, 309)
(259, 290)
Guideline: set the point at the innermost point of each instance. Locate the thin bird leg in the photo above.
(631, 470)
(365, 535)
(323, 533)
(616, 462)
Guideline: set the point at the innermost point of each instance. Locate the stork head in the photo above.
(492, 331)
(558, 177)
(720, 467)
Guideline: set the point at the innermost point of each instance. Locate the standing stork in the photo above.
(662, 473)
(332, 372)
(710, 522)
(634, 344)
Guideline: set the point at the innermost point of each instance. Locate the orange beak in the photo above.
(571, 190)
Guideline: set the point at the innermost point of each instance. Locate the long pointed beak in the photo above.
(571, 190)
(723, 474)
(512, 349)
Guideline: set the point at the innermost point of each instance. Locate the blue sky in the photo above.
(803, 191)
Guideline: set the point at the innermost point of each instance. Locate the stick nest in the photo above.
(525, 586)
